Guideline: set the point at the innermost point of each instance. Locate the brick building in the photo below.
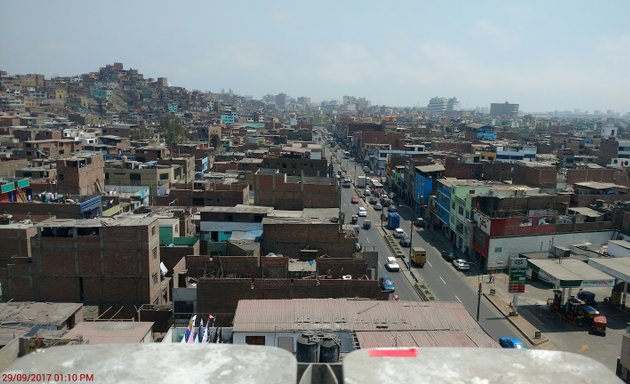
(50, 149)
(290, 236)
(15, 241)
(81, 174)
(94, 261)
(278, 190)
(296, 166)
(535, 174)
(204, 193)
(232, 290)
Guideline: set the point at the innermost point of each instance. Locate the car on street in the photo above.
(511, 342)
(367, 224)
(392, 208)
(419, 222)
(405, 241)
(386, 283)
(373, 200)
(398, 233)
(367, 192)
(354, 200)
(362, 212)
(447, 255)
(378, 207)
(461, 264)
(354, 219)
(392, 265)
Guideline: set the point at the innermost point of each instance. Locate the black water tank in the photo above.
(307, 348)
(329, 349)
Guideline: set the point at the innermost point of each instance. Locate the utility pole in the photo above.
(410, 245)
(480, 289)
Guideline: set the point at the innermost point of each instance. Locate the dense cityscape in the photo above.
(136, 212)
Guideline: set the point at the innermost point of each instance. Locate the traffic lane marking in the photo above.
(442, 280)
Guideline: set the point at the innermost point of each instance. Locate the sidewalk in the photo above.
(501, 300)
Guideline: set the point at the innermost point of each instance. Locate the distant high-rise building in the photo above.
(442, 105)
(281, 100)
(503, 109)
(437, 106)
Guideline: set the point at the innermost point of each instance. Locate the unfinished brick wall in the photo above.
(110, 265)
(542, 177)
(616, 176)
(222, 295)
(273, 190)
(287, 239)
(15, 242)
(222, 266)
(338, 267)
(83, 176)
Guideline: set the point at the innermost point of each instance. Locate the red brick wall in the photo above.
(543, 177)
(15, 242)
(233, 290)
(116, 267)
(616, 176)
(288, 239)
(295, 196)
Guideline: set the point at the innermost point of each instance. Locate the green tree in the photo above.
(172, 131)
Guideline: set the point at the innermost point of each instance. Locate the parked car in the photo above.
(461, 264)
(398, 233)
(373, 200)
(362, 212)
(419, 222)
(511, 342)
(354, 200)
(378, 207)
(448, 255)
(385, 202)
(392, 265)
(392, 208)
(405, 241)
(386, 284)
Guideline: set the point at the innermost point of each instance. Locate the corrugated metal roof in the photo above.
(431, 168)
(350, 315)
(470, 338)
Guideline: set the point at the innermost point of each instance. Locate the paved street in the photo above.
(444, 281)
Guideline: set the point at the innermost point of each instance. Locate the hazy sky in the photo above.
(545, 55)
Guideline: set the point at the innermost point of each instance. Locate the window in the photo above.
(134, 177)
(255, 340)
(163, 176)
(153, 231)
(461, 210)
(154, 277)
(154, 252)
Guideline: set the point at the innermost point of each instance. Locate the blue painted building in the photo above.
(443, 204)
(424, 184)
